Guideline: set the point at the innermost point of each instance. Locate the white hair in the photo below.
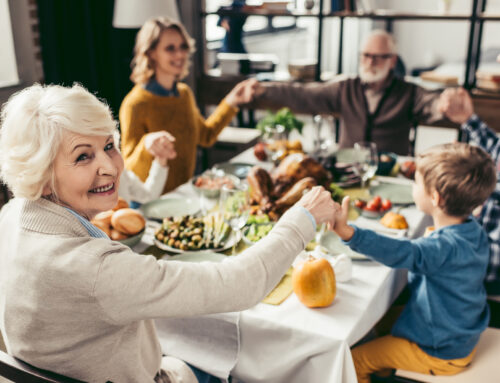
(33, 123)
(391, 43)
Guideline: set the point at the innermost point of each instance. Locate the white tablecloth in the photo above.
(290, 342)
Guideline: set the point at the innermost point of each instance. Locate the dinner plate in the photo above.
(399, 194)
(170, 207)
(331, 242)
(232, 240)
(133, 240)
(238, 169)
(201, 256)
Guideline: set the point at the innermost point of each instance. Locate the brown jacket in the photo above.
(402, 105)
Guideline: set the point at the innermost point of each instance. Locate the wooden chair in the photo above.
(18, 371)
(485, 366)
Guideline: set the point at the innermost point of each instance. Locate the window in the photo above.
(8, 66)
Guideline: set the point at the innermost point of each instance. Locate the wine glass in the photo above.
(366, 160)
(235, 207)
(275, 139)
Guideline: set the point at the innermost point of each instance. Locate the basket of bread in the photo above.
(121, 224)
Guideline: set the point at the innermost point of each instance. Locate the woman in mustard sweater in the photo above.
(159, 101)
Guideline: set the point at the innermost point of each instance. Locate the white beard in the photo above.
(370, 77)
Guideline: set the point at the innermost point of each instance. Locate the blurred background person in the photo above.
(373, 106)
(233, 24)
(159, 101)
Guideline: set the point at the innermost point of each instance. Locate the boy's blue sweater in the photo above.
(447, 309)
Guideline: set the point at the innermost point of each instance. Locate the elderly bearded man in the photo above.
(374, 106)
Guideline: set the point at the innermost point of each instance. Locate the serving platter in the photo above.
(238, 169)
(168, 207)
(201, 256)
(232, 240)
(399, 194)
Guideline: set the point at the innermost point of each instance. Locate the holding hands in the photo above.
(242, 93)
(319, 203)
(161, 146)
(456, 104)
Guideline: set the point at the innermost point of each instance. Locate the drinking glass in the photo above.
(366, 162)
(275, 139)
(235, 208)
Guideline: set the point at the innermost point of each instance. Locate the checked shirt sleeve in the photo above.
(481, 135)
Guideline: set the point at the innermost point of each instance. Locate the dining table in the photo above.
(288, 342)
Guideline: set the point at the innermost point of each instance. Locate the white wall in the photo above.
(425, 43)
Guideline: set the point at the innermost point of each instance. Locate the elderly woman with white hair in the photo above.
(73, 301)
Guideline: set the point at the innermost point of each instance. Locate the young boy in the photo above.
(440, 326)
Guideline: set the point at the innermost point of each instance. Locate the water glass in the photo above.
(366, 160)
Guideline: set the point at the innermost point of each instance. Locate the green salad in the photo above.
(258, 226)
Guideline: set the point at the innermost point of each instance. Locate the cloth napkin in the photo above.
(209, 342)
(282, 290)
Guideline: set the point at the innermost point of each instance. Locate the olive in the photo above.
(160, 236)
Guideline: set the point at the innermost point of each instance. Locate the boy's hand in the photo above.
(341, 227)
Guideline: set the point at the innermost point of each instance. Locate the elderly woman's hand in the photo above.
(456, 104)
(242, 93)
(319, 203)
(161, 146)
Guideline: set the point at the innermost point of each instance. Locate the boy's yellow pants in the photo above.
(388, 352)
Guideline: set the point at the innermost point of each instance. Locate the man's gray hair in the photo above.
(391, 43)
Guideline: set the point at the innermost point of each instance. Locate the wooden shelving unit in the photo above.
(218, 85)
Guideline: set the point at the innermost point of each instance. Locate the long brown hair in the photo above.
(147, 39)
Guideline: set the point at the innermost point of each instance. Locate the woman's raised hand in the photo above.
(319, 203)
(242, 93)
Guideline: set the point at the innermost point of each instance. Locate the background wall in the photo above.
(426, 43)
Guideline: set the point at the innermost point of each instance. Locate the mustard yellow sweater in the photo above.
(143, 112)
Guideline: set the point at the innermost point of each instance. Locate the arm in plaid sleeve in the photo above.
(482, 136)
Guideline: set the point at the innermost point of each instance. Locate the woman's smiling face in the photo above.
(87, 173)
(170, 54)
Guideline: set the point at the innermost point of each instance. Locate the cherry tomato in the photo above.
(376, 201)
(372, 206)
(359, 203)
(386, 204)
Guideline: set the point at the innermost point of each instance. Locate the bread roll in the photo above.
(104, 217)
(121, 204)
(106, 227)
(128, 221)
(117, 235)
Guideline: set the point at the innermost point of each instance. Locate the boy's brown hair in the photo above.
(463, 175)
